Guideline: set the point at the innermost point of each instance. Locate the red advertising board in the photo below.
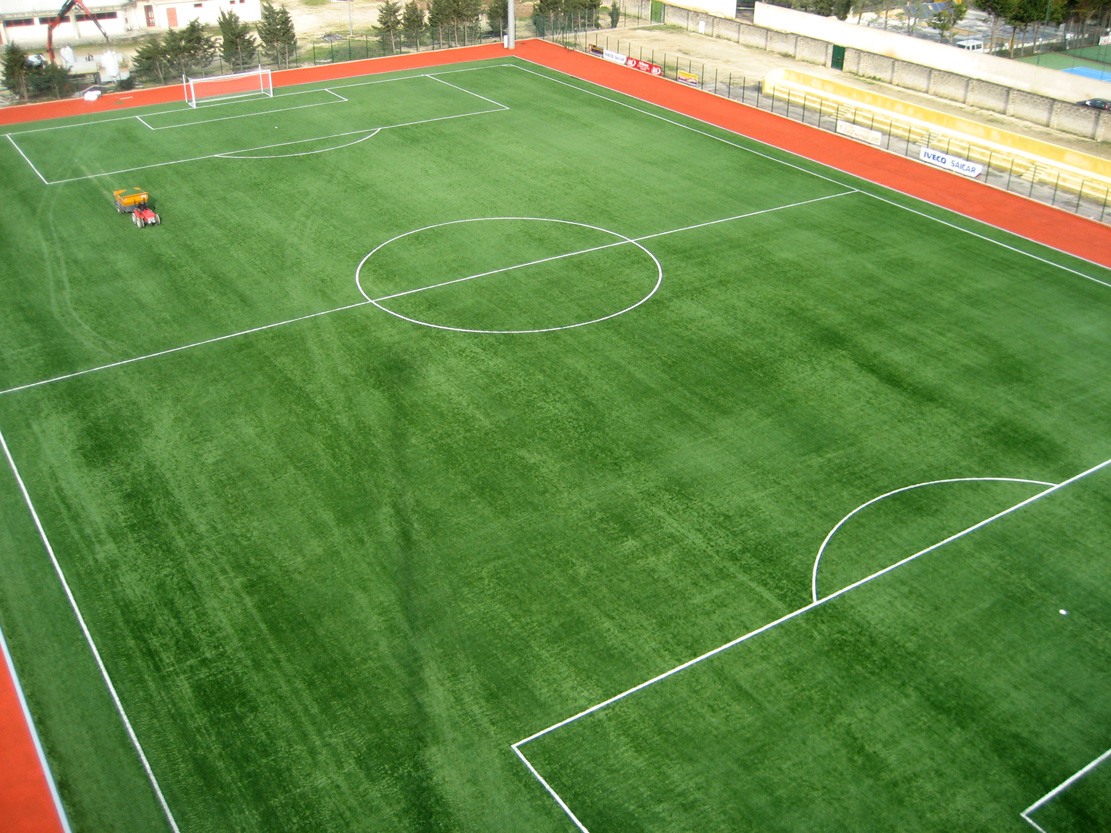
(644, 66)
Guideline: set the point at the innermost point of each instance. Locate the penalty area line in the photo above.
(1060, 788)
(792, 615)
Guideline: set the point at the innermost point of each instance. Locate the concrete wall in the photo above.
(979, 65)
(717, 8)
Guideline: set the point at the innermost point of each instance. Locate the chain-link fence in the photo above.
(1010, 171)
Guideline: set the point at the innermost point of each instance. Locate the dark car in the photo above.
(1097, 103)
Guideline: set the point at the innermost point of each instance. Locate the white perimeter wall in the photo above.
(206, 11)
(718, 8)
(1008, 73)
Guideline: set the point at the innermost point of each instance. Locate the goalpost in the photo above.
(222, 87)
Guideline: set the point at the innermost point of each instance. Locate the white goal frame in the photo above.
(214, 88)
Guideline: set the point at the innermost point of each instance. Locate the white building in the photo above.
(26, 22)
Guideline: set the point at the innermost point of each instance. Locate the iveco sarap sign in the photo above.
(952, 163)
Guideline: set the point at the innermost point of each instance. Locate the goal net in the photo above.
(222, 87)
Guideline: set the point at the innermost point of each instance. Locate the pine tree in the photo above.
(188, 51)
(149, 60)
(238, 45)
(275, 30)
(15, 71)
(413, 24)
(497, 15)
(389, 22)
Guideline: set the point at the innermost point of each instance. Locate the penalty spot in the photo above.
(1064, 612)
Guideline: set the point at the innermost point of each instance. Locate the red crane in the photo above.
(67, 7)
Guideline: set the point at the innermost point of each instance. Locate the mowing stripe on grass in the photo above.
(376, 301)
(792, 615)
(88, 636)
(123, 362)
(821, 176)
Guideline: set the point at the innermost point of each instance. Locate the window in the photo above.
(20, 21)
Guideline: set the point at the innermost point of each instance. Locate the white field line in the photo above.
(182, 347)
(623, 242)
(800, 611)
(19, 150)
(468, 92)
(352, 143)
(43, 763)
(230, 154)
(1007, 246)
(226, 153)
(179, 110)
(1060, 788)
(840, 523)
(663, 118)
(144, 123)
(784, 162)
(563, 806)
(377, 301)
(88, 637)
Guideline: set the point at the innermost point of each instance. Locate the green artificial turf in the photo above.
(337, 566)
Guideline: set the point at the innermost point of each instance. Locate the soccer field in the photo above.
(476, 448)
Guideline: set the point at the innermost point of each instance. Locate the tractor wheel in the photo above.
(119, 208)
(138, 220)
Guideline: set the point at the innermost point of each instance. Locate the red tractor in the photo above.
(136, 202)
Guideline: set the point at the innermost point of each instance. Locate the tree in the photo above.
(49, 80)
(188, 51)
(149, 61)
(547, 15)
(237, 44)
(413, 24)
(946, 19)
(497, 15)
(275, 30)
(1020, 14)
(992, 9)
(15, 71)
(389, 22)
(615, 15)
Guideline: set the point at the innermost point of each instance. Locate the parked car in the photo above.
(35, 61)
(1097, 103)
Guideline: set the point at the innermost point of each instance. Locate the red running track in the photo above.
(25, 797)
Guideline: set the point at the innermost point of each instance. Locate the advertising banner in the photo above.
(952, 163)
(596, 50)
(644, 66)
(687, 78)
(616, 57)
(861, 134)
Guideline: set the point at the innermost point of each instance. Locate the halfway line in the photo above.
(179, 349)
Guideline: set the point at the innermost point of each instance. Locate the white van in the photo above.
(971, 45)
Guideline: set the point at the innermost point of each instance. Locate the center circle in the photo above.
(587, 279)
